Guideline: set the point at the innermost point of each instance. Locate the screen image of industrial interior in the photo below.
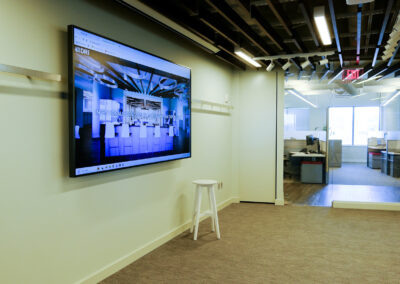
(130, 107)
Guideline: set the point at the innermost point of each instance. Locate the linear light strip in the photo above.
(246, 57)
(334, 78)
(322, 26)
(301, 98)
(391, 99)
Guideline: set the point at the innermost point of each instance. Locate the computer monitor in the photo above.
(310, 140)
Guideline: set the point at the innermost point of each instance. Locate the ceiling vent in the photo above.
(356, 2)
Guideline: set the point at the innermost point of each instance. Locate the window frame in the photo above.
(352, 122)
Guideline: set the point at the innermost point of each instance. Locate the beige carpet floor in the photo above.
(273, 244)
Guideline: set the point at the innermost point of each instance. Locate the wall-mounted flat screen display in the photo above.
(127, 107)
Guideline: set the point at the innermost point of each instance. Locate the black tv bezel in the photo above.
(72, 108)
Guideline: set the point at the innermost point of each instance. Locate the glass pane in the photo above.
(366, 123)
(341, 124)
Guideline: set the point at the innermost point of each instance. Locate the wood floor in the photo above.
(297, 193)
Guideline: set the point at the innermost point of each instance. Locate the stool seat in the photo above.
(207, 184)
(205, 181)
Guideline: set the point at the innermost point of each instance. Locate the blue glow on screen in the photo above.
(131, 108)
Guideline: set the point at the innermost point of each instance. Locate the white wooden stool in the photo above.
(212, 212)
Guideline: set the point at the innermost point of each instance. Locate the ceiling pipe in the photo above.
(371, 9)
(338, 72)
(394, 54)
(327, 71)
(335, 31)
(359, 14)
(385, 21)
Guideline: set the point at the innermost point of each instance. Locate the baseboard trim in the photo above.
(390, 206)
(120, 263)
(279, 202)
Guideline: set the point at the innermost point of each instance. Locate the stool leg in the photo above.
(194, 208)
(215, 211)
(198, 207)
(212, 210)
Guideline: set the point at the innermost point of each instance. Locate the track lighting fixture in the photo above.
(323, 61)
(270, 66)
(305, 63)
(286, 65)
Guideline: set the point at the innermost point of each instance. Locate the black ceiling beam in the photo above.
(266, 27)
(212, 22)
(310, 25)
(384, 24)
(180, 15)
(285, 22)
(359, 13)
(279, 15)
(390, 71)
(262, 23)
(223, 55)
(352, 48)
(229, 39)
(228, 48)
(335, 31)
(236, 21)
(369, 26)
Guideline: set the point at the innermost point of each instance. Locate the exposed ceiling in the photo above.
(276, 27)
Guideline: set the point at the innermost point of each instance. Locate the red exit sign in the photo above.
(351, 74)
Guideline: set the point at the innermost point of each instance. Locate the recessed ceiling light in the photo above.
(294, 93)
(322, 25)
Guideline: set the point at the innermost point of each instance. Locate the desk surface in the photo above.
(377, 147)
(311, 155)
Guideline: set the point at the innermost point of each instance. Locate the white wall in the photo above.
(391, 116)
(256, 124)
(56, 229)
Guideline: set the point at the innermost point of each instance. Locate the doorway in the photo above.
(361, 143)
